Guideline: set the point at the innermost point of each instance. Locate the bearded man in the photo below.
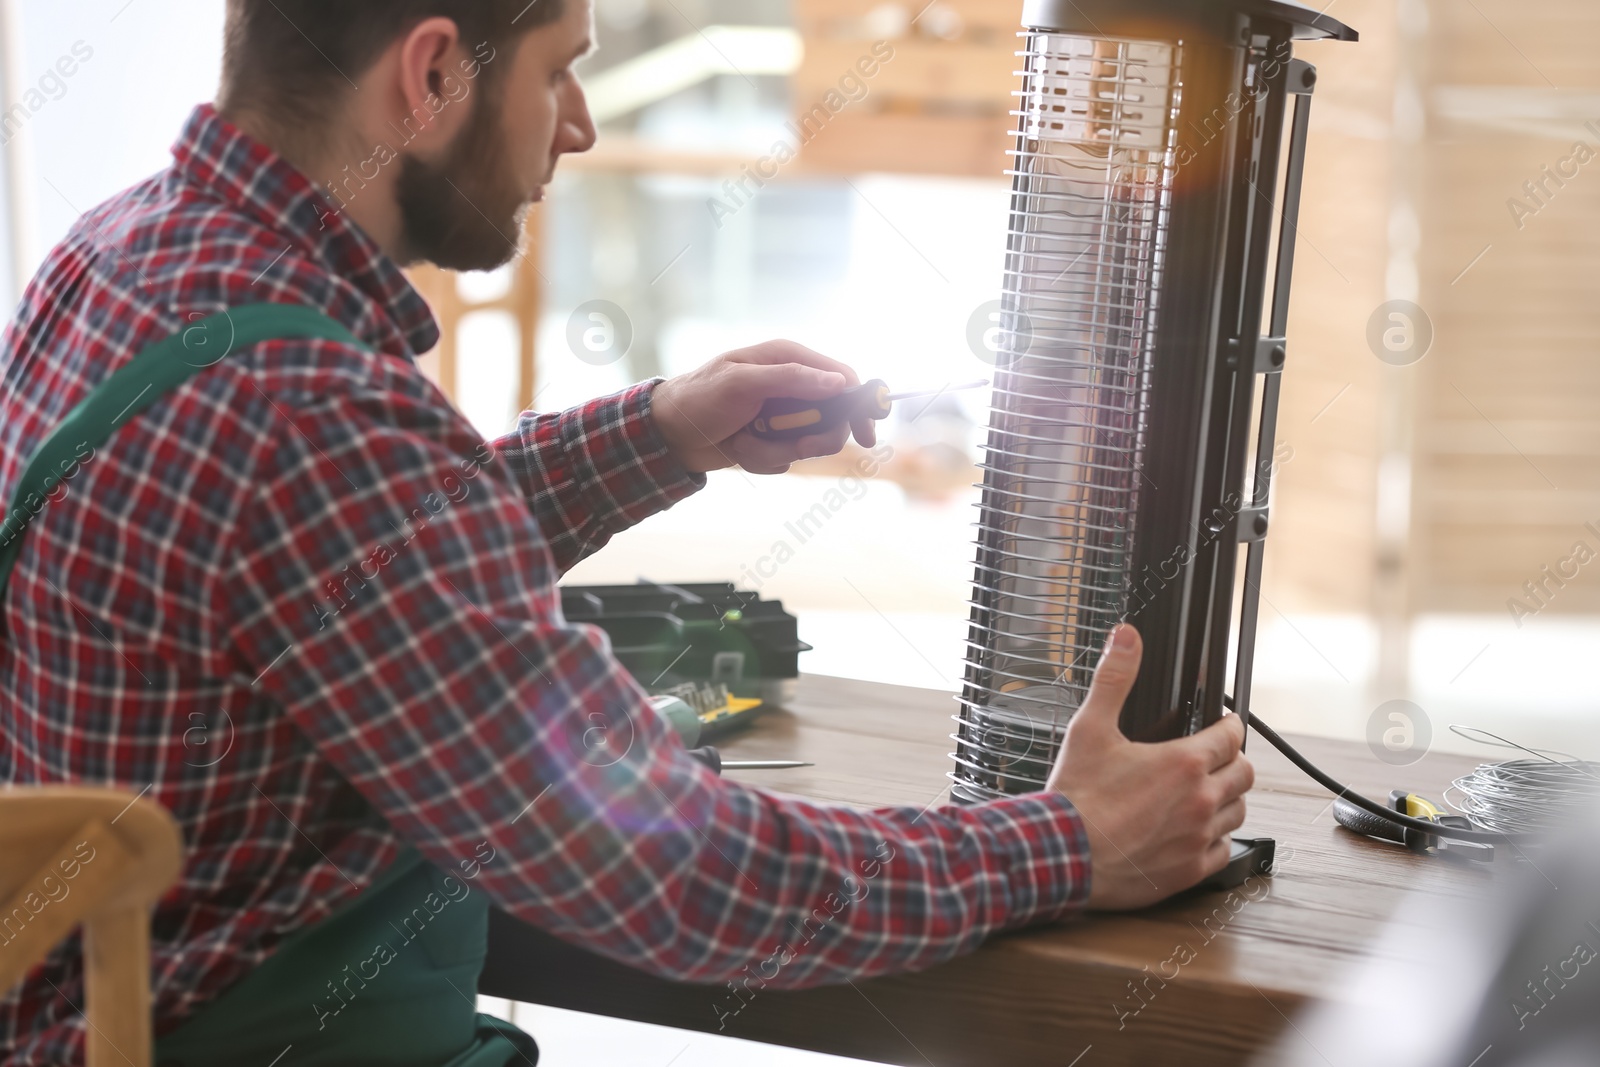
(298, 545)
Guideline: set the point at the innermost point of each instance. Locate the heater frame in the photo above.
(1224, 350)
(1209, 342)
(1207, 345)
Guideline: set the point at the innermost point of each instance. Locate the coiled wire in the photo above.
(1533, 795)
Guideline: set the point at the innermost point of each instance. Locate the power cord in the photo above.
(1485, 837)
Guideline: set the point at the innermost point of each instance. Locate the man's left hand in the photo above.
(703, 414)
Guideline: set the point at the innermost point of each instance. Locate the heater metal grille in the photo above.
(1092, 180)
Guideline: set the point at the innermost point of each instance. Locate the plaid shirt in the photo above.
(300, 603)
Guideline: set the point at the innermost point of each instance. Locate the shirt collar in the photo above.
(248, 175)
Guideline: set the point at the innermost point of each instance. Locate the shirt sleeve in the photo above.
(592, 471)
(449, 690)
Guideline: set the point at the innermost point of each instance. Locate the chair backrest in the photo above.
(100, 857)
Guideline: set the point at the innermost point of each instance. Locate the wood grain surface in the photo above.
(1207, 979)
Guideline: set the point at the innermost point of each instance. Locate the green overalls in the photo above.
(391, 977)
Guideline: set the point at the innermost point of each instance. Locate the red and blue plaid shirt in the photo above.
(301, 604)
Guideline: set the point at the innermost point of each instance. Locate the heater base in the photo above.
(1252, 857)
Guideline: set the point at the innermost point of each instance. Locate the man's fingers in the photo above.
(758, 456)
(771, 352)
(821, 444)
(1228, 818)
(1217, 855)
(1220, 742)
(866, 431)
(1113, 677)
(1236, 778)
(763, 381)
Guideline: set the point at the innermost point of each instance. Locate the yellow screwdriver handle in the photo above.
(788, 418)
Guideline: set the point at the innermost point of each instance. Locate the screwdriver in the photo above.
(685, 722)
(786, 418)
(713, 759)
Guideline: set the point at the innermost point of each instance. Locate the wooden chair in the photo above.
(100, 857)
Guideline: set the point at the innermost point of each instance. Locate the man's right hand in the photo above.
(1159, 816)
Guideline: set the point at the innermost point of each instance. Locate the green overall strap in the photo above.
(147, 377)
(388, 978)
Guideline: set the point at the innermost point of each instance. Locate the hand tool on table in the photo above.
(786, 418)
(686, 722)
(1405, 802)
(708, 755)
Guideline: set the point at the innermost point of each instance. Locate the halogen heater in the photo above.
(1135, 387)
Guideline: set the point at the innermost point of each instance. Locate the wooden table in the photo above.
(1043, 995)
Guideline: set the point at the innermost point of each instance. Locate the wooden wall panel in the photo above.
(842, 17)
(934, 72)
(1321, 553)
(1508, 412)
(939, 105)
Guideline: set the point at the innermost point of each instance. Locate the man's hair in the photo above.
(289, 61)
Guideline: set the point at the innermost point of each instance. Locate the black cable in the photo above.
(1486, 837)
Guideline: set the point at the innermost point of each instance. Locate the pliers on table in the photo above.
(1361, 821)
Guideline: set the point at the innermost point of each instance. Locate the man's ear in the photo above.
(431, 94)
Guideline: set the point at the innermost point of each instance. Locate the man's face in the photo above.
(464, 210)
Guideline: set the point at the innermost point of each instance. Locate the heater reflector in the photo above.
(1091, 182)
(1125, 374)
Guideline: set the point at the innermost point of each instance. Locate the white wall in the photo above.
(111, 122)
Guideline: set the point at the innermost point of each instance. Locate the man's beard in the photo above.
(464, 211)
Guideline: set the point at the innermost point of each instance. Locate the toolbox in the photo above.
(726, 651)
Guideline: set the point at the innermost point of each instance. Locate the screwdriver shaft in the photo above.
(935, 392)
(763, 764)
